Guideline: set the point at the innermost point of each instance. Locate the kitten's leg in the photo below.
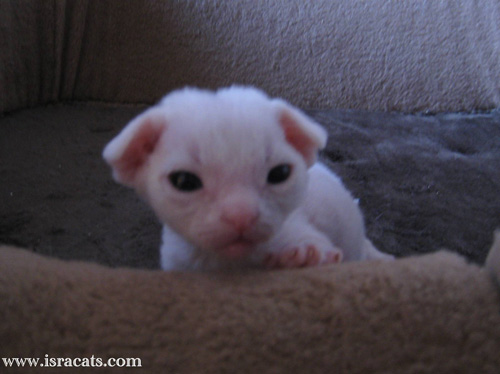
(299, 244)
(175, 252)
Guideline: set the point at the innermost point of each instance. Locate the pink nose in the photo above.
(241, 218)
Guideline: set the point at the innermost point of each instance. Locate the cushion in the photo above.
(378, 55)
(433, 313)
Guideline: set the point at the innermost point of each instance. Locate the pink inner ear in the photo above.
(297, 138)
(138, 151)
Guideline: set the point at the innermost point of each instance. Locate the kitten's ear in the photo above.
(305, 135)
(130, 149)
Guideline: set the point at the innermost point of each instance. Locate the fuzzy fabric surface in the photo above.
(424, 182)
(386, 55)
(430, 314)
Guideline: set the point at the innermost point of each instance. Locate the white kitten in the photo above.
(232, 176)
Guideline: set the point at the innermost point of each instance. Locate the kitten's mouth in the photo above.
(238, 249)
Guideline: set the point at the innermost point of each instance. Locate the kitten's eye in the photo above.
(185, 181)
(279, 174)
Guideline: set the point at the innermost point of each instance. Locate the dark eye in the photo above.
(185, 181)
(279, 174)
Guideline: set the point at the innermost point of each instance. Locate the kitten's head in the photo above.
(224, 169)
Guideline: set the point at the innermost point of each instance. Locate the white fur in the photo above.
(231, 139)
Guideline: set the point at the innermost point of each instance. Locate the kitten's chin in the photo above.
(237, 250)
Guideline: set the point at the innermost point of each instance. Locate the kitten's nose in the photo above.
(240, 217)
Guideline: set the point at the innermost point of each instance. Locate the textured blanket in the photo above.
(433, 314)
(424, 182)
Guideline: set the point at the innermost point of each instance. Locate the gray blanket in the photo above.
(424, 182)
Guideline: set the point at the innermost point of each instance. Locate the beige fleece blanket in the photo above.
(429, 314)
(379, 55)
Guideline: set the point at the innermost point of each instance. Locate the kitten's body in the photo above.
(329, 219)
(232, 176)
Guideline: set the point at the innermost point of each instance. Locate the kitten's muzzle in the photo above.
(241, 218)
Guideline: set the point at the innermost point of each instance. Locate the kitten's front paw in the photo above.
(302, 256)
